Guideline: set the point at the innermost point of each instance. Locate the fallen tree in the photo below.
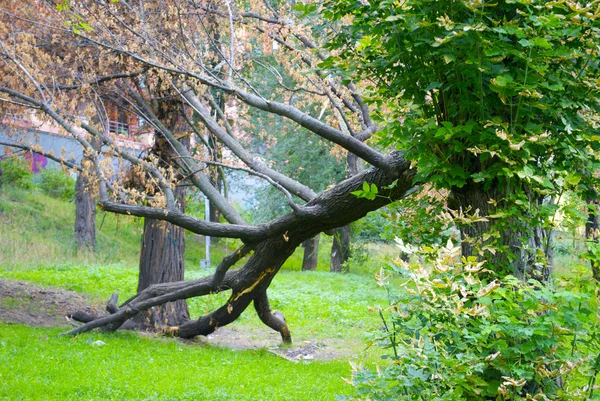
(333, 208)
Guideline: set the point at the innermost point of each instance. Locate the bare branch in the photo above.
(36, 149)
(288, 196)
(293, 186)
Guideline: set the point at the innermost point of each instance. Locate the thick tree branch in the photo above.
(193, 224)
(336, 207)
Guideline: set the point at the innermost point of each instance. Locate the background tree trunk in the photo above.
(592, 228)
(311, 253)
(522, 249)
(162, 261)
(340, 249)
(214, 215)
(340, 246)
(85, 215)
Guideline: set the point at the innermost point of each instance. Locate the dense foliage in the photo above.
(476, 90)
(456, 332)
(495, 101)
(16, 171)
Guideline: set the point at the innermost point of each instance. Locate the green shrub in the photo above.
(458, 333)
(57, 184)
(16, 171)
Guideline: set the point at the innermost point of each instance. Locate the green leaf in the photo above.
(527, 172)
(433, 85)
(573, 179)
(502, 80)
(364, 43)
(525, 43)
(393, 18)
(542, 42)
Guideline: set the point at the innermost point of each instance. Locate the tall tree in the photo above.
(494, 102)
(163, 244)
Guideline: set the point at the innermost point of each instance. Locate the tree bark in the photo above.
(511, 246)
(592, 233)
(85, 215)
(162, 261)
(311, 254)
(340, 249)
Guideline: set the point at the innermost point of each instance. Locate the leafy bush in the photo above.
(57, 184)
(458, 333)
(16, 171)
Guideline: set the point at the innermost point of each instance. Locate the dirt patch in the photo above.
(258, 337)
(26, 303)
(32, 305)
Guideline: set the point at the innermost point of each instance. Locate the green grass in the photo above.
(36, 364)
(37, 229)
(36, 245)
(317, 305)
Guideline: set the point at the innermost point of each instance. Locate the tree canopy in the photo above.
(500, 98)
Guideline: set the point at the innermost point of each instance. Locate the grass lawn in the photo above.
(36, 364)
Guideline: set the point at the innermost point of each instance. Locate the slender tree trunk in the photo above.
(214, 215)
(162, 261)
(592, 233)
(340, 246)
(516, 247)
(85, 215)
(340, 249)
(311, 253)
